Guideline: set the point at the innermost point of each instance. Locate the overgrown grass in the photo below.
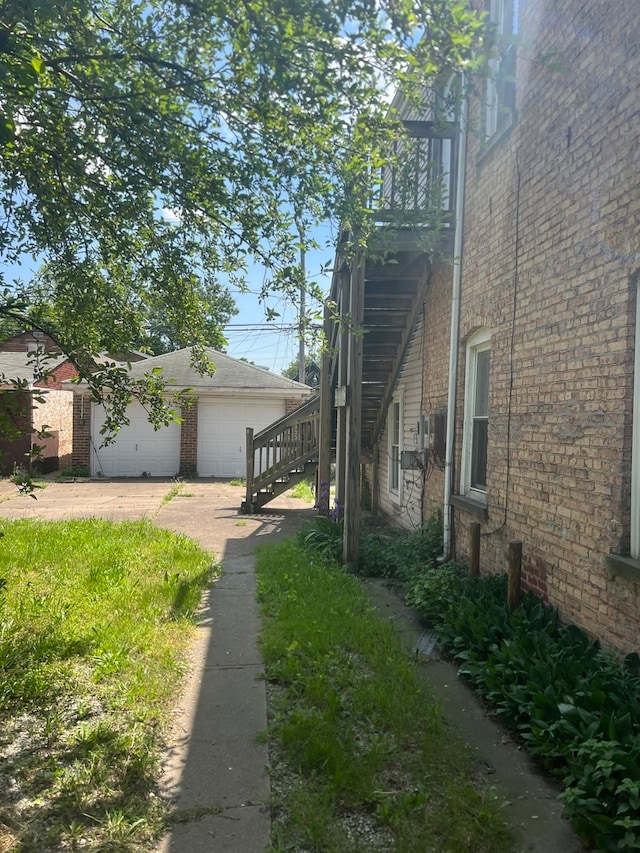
(94, 620)
(361, 759)
(303, 491)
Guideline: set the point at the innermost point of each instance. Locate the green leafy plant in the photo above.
(324, 536)
(576, 705)
(74, 471)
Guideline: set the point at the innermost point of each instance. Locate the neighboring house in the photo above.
(29, 341)
(210, 441)
(521, 410)
(26, 413)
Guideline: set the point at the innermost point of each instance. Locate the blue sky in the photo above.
(271, 344)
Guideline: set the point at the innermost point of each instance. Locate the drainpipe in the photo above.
(455, 323)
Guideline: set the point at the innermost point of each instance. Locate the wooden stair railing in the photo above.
(277, 456)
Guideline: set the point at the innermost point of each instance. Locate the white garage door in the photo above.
(222, 430)
(138, 448)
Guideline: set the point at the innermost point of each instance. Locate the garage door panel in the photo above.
(222, 429)
(138, 449)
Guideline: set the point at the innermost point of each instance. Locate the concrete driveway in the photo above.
(207, 510)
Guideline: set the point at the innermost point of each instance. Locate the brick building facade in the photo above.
(546, 355)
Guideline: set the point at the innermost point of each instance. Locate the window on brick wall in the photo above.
(501, 67)
(395, 448)
(476, 416)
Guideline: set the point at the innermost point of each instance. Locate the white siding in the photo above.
(408, 513)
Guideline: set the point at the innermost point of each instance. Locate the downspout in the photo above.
(455, 324)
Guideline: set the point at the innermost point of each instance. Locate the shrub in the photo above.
(323, 535)
(576, 705)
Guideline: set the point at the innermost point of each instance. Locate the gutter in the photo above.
(455, 326)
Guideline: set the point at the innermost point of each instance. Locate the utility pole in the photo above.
(302, 372)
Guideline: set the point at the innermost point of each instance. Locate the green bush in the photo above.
(324, 536)
(576, 705)
(402, 554)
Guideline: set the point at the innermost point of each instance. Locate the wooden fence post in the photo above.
(514, 590)
(474, 549)
(250, 472)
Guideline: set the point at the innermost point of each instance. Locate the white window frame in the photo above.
(635, 441)
(395, 424)
(495, 122)
(479, 342)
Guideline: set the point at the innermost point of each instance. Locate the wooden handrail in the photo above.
(281, 448)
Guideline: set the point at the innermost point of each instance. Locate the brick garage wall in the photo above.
(81, 454)
(189, 440)
(293, 403)
(559, 297)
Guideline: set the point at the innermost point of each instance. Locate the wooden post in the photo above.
(514, 590)
(352, 509)
(374, 480)
(343, 360)
(325, 421)
(248, 501)
(474, 549)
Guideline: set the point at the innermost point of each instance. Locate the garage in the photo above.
(209, 442)
(222, 425)
(138, 450)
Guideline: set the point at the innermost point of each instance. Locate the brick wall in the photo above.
(189, 440)
(23, 341)
(436, 371)
(293, 403)
(81, 454)
(559, 297)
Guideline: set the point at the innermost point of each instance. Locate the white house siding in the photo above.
(408, 512)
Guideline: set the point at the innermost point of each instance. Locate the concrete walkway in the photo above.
(215, 770)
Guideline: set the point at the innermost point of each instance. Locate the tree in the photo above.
(149, 148)
(310, 359)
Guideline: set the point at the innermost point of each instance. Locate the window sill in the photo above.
(471, 505)
(623, 567)
(494, 141)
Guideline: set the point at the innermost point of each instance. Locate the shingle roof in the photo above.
(230, 374)
(22, 365)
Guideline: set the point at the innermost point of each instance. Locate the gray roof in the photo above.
(230, 374)
(23, 365)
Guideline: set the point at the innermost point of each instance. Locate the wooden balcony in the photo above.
(414, 212)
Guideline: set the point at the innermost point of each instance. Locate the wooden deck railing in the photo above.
(280, 450)
(419, 187)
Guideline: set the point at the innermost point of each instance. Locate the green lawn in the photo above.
(360, 757)
(95, 618)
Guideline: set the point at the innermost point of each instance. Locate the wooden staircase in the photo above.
(281, 455)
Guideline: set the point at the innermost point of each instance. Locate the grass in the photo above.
(304, 491)
(95, 618)
(360, 757)
(173, 492)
